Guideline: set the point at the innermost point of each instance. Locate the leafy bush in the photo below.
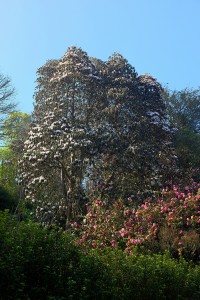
(146, 276)
(43, 263)
(35, 262)
(39, 263)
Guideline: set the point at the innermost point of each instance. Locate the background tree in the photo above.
(14, 130)
(184, 111)
(7, 93)
(7, 105)
(184, 108)
(94, 122)
(8, 184)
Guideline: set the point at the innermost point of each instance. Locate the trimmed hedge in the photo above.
(42, 263)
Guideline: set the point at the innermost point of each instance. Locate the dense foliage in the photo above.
(38, 263)
(8, 200)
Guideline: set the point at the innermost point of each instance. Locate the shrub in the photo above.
(35, 262)
(138, 276)
(168, 220)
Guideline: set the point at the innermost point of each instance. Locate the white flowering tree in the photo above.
(97, 123)
(60, 143)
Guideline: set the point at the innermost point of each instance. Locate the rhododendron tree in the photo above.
(95, 124)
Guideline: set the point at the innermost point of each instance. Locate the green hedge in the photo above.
(39, 263)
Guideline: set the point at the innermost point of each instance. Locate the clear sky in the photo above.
(159, 37)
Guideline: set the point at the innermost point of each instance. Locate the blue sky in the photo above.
(159, 37)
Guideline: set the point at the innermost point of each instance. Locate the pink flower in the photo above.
(122, 232)
(113, 243)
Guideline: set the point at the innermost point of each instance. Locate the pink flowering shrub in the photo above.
(170, 219)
